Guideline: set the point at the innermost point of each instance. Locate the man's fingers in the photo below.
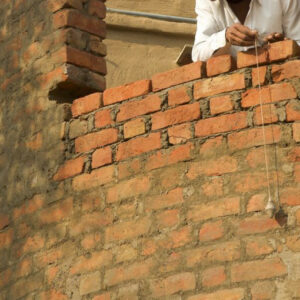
(274, 37)
(241, 35)
(246, 31)
(235, 40)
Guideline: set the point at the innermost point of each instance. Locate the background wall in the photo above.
(142, 47)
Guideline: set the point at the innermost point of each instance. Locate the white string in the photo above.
(262, 120)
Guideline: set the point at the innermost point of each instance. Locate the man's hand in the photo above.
(274, 37)
(240, 35)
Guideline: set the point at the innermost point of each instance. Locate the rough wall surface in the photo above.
(155, 189)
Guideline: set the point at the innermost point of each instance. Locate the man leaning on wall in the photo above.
(229, 26)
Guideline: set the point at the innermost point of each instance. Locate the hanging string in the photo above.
(270, 205)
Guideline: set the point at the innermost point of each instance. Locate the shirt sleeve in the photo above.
(208, 37)
(291, 19)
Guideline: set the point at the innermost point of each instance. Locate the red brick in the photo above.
(178, 96)
(134, 127)
(105, 296)
(6, 238)
(294, 155)
(103, 118)
(70, 168)
(4, 221)
(233, 294)
(127, 189)
(23, 268)
(220, 124)
(259, 76)
(287, 70)
(263, 290)
(91, 222)
(96, 261)
(176, 238)
(180, 133)
(138, 146)
(125, 92)
(256, 157)
(101, 157)
(227, 251)
(94, 179)
(74, 18)
(136, 108)
(177, 76)
(218, 85)
(136, 271)
(56, 212)
(269, 114)
(210, 210)
(176, 115)
(258, 246)
(256, 224)
(170, 156)
(220, 64)
(32, 244)
(169, 199)
(97, 8)
(211, 231)
(210, 146)
(293, 111)
(96, 139)
(213, 276)
(248, 58)
(257, 270)
(297, 173)
(220, 104)
(257, 203)
(289, 196)
(167, 218)
(173, 284)
(283, 50)
(57, 5)
(213, 167)
(51, 295)
(254, 137)
(273, 93)
(296, 132)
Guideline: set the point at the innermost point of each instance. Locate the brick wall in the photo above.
(157, 189)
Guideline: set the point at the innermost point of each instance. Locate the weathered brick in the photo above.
(233, 294)
(4, 221)
(127, 189)
(258, 246)
(70, 168)
(78, 127)
(294, 155)
(180, 133)
(173, 284)
(167, 218)
(257, 270)
(219, 208)
(257, 203)
(259, 76)
(273, 93)
(221, 124)
(177, 76)
(101, 157)
(220, 64)
(293, 243)
(296, 132)
(51, 295)
(91, 240)
(105, 296)
(97, 8)
(90, 283)
(263, 290)
(293, 111)
(178, 96)
(211, 231)
(127, 230)
(57, 5)
(129, 292)
(213, 276)
(213, 187)
(138, 270)
(176, 115)
(32, 244)
(227, 251)
(136, 108)
(220, 104)
(138, 146)
(96, 261)
(6, 238)
(169, 199)
(213, 167)
(210, 146)
(103, 118)
(96, 139)
(95, 178)
(128, 168)
(134, 127)
(283, 50)
(56, 212)
(269, 114)
(289, 196)
(287, 70)
(218, 85)
(125, 92)
(125, 253)
(254, 137)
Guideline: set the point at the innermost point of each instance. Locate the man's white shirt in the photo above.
(265, 16)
